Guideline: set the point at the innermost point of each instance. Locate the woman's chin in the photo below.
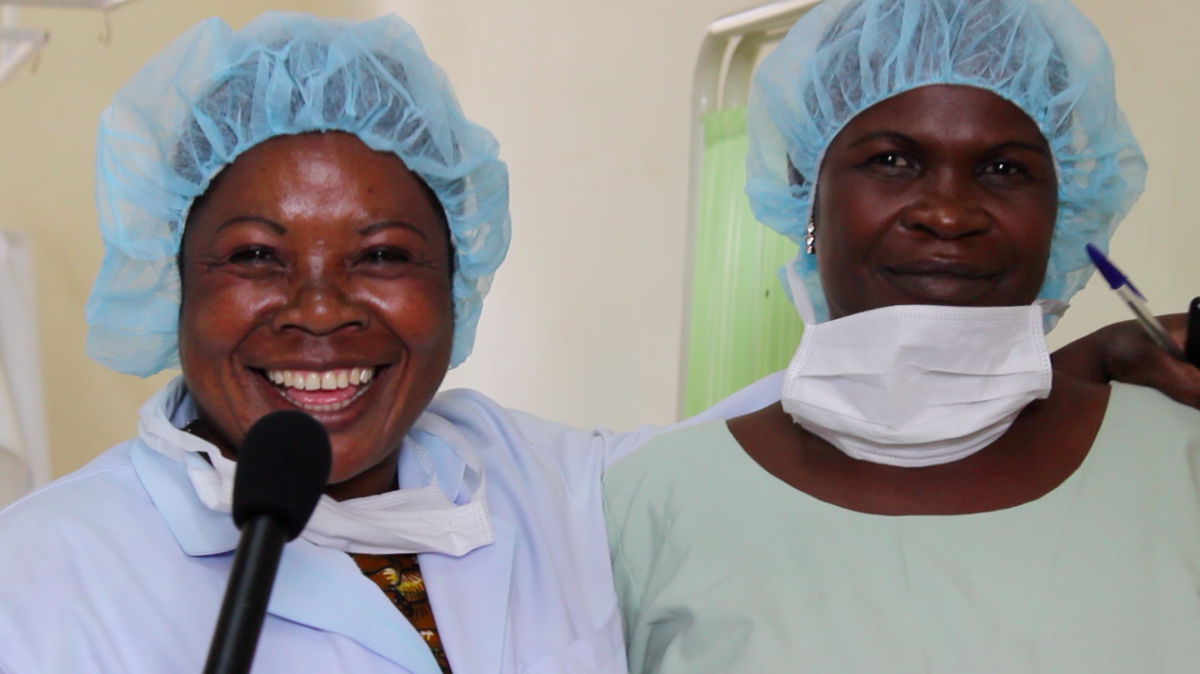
(945, 289)
(356, 473)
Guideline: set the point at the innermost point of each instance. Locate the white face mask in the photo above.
(398, 522)
(917, 385)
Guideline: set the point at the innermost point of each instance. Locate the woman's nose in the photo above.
(320, 307)
(948, 210)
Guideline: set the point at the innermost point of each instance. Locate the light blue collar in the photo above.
(318, 587)
(198, 530)
(450, 468)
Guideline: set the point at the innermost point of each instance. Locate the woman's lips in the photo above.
(321, 390)
(942, 283)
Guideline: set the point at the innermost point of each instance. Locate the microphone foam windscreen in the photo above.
(282, 468)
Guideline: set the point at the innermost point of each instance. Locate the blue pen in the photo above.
(1136, 301)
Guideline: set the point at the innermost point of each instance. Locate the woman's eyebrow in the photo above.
(275, 226)
(389, 224)
(891, 135)
(1041, 149)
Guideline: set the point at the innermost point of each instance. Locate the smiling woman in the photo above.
(299, 216)
(317, 274)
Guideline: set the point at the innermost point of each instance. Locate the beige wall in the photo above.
(1156, 51)
(590, 102)
(47, 139)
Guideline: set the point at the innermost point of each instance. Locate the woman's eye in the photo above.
(388, 255)
(253, 256)
(1004, 168)
(891, 162)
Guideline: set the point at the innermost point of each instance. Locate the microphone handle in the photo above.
(246, 596)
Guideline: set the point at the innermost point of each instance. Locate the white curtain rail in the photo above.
(753, 25)
(18, 44)
(77, 4)
(760, 19)
(24, 35)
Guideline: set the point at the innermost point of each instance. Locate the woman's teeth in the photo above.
(325, 391)
(329, 380)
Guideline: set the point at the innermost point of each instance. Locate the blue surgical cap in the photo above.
(1044, 56)
(214, 93)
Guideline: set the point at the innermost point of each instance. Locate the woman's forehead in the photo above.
(948, 115)
(314, 157)
(319, 173)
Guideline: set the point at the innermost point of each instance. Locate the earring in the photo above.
(810, 237)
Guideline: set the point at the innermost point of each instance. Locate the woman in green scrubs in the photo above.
(930, 494)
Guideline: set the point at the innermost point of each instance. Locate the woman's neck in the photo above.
(1044, 446)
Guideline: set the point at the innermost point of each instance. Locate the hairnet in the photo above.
(214, 93)
(1044, 56)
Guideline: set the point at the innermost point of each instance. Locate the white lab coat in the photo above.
(120, 568)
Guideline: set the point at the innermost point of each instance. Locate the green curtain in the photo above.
(742, 325)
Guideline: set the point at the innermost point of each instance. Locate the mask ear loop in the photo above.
(1055, 308)
(800, 298)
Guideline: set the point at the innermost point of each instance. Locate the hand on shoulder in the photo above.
(1123, 352)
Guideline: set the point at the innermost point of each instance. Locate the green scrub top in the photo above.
(721, 567)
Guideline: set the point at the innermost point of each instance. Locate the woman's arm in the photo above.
(1123, 352)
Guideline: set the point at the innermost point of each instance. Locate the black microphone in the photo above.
(282, 468)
